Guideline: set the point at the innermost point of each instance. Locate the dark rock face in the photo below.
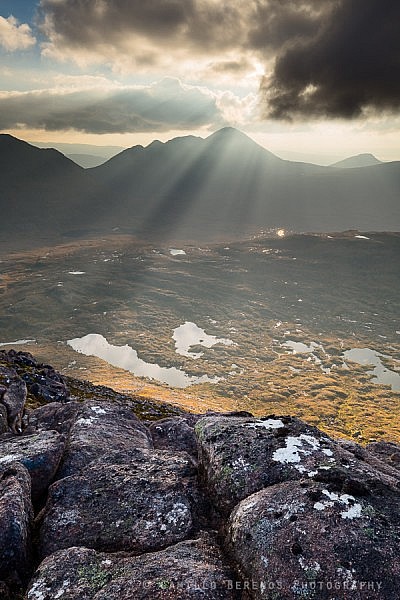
(298, 514)
(40, 453)
(310, 540)
(3, 419)
(387, 452)
(239, 456)
(174, 434)
(142, 504)
(190, 569)
(54, 416)
(98, 429)
(14, 399)
(15, 525)
(43, 382)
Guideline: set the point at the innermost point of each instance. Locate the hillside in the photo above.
(361, 160)
(225, 186)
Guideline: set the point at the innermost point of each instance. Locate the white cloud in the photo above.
(14, 36)
(100, 106)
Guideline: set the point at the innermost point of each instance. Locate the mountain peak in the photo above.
(360, 160)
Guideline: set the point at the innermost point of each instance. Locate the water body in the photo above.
(18, 343)
(366, 356)
(189, 334)
(127, 358)
(300, 348)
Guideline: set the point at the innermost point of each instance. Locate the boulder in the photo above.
(387, 452)
(43, 381)
(311, 540)
(14, 399)
(174, 433)
(192, 569)
(97, 429)
(16, 516)
(239, 456)
(40, 453)
(136, 500)
(55, 416)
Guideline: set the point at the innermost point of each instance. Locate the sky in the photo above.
(315, 80)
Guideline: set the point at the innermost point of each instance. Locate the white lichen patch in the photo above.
(266, 424)
(64, 588)
(10, 458)
(309, 566)
(327, 452)
(240, 464)
(98, 410)
(39, 591)
(69, 517)
(290, 454)
(179, 514)
(353, 510)
(89, 421)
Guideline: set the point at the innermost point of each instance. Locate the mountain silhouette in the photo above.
(190, 188)
(361, 160)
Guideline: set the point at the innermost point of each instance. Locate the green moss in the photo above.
(94, 576)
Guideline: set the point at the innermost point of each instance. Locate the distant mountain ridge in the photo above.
(361, 160)
(191, 188)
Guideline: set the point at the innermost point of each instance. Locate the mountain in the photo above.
(191, 188)
(361, 160)
(228, 184)
(87, 161)
(43, 194)
(105, 152)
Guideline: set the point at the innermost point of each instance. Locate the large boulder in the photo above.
(16, 516)
(311, 540)
(136, 500)
(43, 382)
(174, 433)
(387, 452)
(188, 570)
(98, 429)
(239, 456)
(55, 416)
(40, 453)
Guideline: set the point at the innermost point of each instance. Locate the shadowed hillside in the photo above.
(190, 188)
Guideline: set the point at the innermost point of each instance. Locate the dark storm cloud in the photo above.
(348, 62)
(160, 107)
(89, 23)
(330, 58)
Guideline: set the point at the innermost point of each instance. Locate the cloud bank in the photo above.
(14, 36)
(163, 106)
(322, 58)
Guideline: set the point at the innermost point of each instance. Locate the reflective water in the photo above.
(17, 343)
(127, 358)
(300, 348)
(189, 334)
(366, 356)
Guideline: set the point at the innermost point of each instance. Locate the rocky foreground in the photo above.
(98, 504)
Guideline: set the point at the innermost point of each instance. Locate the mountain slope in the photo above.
(42, 193)
(189, 188)
(361, 160)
